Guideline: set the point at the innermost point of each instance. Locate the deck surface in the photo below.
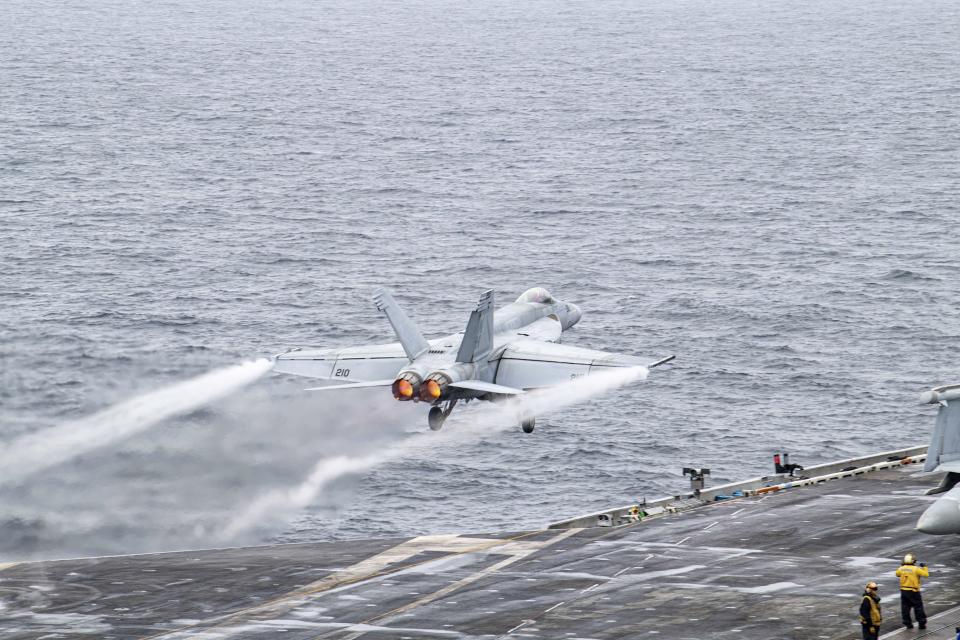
(784, 565)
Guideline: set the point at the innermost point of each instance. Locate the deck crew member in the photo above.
(870, 617)
(910, 574)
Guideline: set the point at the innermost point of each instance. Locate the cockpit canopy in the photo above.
(537, 294)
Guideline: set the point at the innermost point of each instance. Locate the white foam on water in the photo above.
(490, 418)
(43, 449)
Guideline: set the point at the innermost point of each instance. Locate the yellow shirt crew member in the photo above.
(910, 599)
(910, 577)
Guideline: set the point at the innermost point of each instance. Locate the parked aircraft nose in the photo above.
(942, 517)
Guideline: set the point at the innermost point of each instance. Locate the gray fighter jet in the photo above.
(500, 354)
(943, 516)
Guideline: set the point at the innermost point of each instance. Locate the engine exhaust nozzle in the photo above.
(402, 389)
(430, 390)
(406, 386)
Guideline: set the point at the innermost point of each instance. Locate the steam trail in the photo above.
(492, 417)
(38, 451)
(324, 472)
(283, 501)
(579, 390)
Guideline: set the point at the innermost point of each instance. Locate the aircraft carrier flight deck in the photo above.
(784, 561)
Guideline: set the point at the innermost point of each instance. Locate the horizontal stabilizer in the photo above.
(354, 385)
(486, 387)
(660, 362)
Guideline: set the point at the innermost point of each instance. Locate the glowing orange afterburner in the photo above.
(430, 391)
(402, 389)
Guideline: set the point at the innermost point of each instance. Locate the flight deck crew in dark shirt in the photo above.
(910, 598)
(870, 617)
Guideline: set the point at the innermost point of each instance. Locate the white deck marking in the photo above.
(524, 623)
(370, 569)
(713, 524)
(514, 550)
(554, 607)
(899, 633)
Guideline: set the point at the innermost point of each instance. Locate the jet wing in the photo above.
(486, 387)
(353, 364)
(529, 364)
(354, 385)
(372, 364)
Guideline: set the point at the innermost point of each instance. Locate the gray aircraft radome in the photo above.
(500, 354)
(943, 516)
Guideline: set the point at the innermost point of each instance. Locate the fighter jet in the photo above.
(499, 354)
(943, 516)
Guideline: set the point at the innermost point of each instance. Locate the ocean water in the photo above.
(768, 190)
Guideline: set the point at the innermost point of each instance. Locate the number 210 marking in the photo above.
(342, 373)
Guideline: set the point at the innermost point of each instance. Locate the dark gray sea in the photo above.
(768, 189)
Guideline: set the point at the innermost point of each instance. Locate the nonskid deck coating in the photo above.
(786, 565)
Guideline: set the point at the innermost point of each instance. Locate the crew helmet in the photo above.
(872, 586)
(909, 559)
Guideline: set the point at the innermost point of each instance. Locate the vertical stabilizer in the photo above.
(414, 344)
(477, 340)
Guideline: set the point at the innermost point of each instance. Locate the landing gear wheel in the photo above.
(436, 418)
(527, 425)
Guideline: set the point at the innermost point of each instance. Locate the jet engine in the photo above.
(435, 386)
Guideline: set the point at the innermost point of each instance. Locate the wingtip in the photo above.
(661, 361)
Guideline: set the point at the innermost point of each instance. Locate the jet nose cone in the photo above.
(941, 518)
